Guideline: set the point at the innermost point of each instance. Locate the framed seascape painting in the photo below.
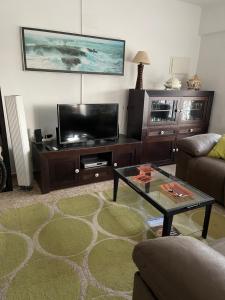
(54, 51)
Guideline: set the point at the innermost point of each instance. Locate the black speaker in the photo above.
(57, 136)
(38, 136)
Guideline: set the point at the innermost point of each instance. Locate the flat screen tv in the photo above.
(83, 122)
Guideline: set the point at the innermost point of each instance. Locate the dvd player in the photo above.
(93, 162)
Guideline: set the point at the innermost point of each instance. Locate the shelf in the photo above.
(95, 169)
(158, 110)
(163, 120)
(95, 158)
(191, 109)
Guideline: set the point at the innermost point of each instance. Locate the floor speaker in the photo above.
(19, 139)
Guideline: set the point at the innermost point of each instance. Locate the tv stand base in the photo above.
(63, 168)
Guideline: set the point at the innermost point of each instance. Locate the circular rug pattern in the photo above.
(125, 196)
(66, 236)
(150, 210)
(121, 221)
(103, 262)
(216, 224)
(45, 278)
(110, 298)
(25, 219)
(13, 250)
(83, 205)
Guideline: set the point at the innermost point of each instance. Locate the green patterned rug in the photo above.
(81, 247)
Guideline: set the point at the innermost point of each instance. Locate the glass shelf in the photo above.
(160, 110)
(192, 110)
(192, 115)
(163, 111)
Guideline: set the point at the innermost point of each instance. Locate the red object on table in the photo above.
(176, 190)
(145, 170)
(142, 178)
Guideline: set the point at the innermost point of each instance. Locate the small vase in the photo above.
(194, 83)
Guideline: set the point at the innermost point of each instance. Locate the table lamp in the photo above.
(141, 58)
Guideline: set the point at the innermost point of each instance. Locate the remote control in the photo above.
(50, 148)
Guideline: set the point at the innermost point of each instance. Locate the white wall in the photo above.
(211, 65)
(213, 19)
(161, 27)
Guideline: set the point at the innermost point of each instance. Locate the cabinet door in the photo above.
(124, 156)
(193, 110)
(162, 111)
(63, 172)
(159, 152)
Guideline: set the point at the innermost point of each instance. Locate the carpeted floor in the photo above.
(77, 244)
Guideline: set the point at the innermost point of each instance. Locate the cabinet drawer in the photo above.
(95, 175)
(160, 132)
(193, 130)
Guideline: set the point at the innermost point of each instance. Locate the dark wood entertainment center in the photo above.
(62, 168)
(159, 118)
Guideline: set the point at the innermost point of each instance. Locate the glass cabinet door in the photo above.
(163, 111)
(193, 110)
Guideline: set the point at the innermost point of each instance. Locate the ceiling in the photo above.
(204, 2)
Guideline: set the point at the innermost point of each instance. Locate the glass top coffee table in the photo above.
(165, 192)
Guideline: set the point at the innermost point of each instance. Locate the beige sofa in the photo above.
(179, 268)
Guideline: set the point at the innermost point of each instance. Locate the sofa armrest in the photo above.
(181, 268)
(198, 145)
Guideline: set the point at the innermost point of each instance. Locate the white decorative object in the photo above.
(173, 83)
(19, 139)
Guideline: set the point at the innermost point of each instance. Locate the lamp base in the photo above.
(139, 83)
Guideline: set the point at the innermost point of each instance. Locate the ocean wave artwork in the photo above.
(45, 50)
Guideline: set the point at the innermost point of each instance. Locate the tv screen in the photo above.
(83, 122)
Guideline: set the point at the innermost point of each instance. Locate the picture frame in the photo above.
(56, 51)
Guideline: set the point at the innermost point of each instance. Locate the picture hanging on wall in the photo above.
(54, 51)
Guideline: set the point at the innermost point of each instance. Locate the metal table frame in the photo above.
(168, 214)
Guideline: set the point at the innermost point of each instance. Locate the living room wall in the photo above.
(211, 66)
(163, 28)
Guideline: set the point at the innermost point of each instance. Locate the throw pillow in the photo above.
(218, 150)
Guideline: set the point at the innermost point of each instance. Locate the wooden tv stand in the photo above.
(57, 169)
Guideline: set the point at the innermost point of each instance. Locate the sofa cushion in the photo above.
(208, 175)
(219, 246)
(198, 145)
(141, 290)
(218, 150)
(181, 268)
